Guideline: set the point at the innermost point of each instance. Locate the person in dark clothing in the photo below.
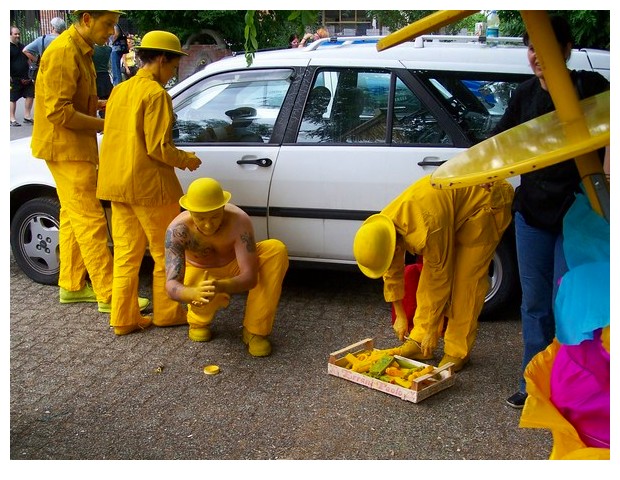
(21, 85)
(101, 59)
(541, 201)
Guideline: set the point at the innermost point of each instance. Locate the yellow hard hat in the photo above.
(204, 195)
(162, 41)
(374, 244)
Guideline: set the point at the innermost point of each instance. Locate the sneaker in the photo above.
(15, 123)
(107, 307)
(29, 121)
(517, 400)
(258, 345)
(144, 323)
(86, 295)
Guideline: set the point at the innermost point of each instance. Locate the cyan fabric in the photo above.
(583, 301)
(586, 234)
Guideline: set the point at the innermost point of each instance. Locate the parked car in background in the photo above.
(312, 141)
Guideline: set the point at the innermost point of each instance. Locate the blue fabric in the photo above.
(582, 304)
(115, 62)
(538, 271)
(583, 301)
(586, 234)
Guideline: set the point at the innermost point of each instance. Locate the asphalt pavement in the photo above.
(77, 391)
(25, 130)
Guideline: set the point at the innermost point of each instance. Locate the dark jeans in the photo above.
(115, 61)
(541, 264)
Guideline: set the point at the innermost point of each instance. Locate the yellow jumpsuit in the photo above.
(66, 84)
(262, 301)
(136, 174)
(456, 232)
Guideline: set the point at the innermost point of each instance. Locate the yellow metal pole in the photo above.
(566, 102)
(428, 24)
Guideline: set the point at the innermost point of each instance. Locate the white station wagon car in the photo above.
(312, 141)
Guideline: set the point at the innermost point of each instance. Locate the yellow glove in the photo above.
(400, 328)
(400, 323)
(429, 342)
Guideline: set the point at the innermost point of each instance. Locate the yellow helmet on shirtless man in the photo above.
(204, 195)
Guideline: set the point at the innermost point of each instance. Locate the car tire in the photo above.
(504, 288)
(35, 239)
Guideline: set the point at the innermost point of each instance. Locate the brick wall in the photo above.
(200, 55)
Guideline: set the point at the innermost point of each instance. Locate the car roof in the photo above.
(429, 52)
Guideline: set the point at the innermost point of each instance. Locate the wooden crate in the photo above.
(423, 387)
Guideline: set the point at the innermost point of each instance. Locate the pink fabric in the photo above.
(580, 389)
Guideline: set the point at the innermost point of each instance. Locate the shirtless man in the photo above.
(211, 254)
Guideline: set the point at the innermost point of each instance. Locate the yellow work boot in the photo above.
(459, 363)
(107, 307)
(410, 349)
(199, 334)
(258, 345)
(142, 324)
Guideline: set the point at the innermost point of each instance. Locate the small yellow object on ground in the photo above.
(211, 369)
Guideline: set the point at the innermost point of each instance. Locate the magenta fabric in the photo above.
(580, 389)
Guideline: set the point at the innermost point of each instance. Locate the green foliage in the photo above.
(590, 27)
(252, 30)
(184, 23)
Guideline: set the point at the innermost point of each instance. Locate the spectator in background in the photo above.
(115, 56)
(313, 37)
(129, 65)
(293, 41)
(65, 136)
(35, 49)
(101, 59)
(21, 85)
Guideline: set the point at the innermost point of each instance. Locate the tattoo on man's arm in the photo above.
(175, 252)
(248, 239)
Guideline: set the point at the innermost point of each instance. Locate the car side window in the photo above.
(476, 102)
(413, 121)
(353, 106)
(346, 106)
(231, 107)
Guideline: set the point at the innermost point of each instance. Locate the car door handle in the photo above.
(431, 162)
(261, 162)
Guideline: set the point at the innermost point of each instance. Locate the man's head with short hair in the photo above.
(58, 24)
(15, 34)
